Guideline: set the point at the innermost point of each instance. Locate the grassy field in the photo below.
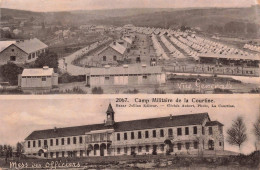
(151, 162)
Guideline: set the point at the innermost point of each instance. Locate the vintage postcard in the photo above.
(130, 46)
(129, 84)
(130, 132)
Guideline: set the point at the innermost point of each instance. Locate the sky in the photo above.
(67, 5)
(21, 115)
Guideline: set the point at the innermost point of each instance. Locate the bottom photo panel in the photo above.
(130, 132)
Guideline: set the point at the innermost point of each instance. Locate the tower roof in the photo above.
(110, 109)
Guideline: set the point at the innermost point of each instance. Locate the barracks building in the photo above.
(163, 135)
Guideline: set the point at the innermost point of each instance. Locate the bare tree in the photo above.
(257, 128)
(256, 131)
(237, 133)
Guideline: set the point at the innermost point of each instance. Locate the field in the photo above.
(224, 160)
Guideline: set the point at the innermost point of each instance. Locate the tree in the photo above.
(47, 59)
(19, 149)
(257, 128)
(237, 133)
(10, 72)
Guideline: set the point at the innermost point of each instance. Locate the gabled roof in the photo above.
(115, 46)
(118, 47)
(214, 123)
(31, 45)
(161, 122)
(38, 72)
(5, 44)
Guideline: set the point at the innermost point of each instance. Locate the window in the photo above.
(80, 139)
(12, 58)
(81, 153)
(57, 141)
(45, 143)
(125, 136)
(34, 143)
(118, 150)
(125, 150)
(187, 131)
(57, 154)
(114, 58)
(12, 50)
(154, 133)
(51, 154)
(132, 135)
(140, 149)
(63, 153)
(118, 136)
(203, 130)
(179, 146)
(195, 130)
(210, 131)
(161, 133)
(68, 141)
(179, 131)
(187, 145)
(62, 141)
(139, 135)
(74, 140)
(146, 134)
(220, 129)
(195, 145)
(39, 143)
(29, 144)
(106, 78)
(29, 57)
(147, 148)
(51, 142)
(43, 78)
(220, 144)
(104, 58)
(170, 133)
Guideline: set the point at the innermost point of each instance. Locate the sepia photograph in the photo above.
(144, 132)
(129, 47)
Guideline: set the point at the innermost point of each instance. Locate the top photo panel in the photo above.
(129, 47)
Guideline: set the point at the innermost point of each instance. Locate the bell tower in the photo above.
(110, 116)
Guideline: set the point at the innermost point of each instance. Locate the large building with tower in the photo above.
(189, 133)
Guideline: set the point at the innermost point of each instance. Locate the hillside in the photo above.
(190, 17)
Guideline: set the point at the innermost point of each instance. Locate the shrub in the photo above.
(222, 91)
(135, 91)
(97, 90)
(10, 72)
(67, 78)
(158, 91)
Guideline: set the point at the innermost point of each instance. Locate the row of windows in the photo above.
(62, 154)
(33, 55)
(105, 58)
(45, 142)
(36, 76)
(154, 133)
(112, 75)
(147, 148)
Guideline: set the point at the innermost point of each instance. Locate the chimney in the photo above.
(170, 116)
(45, 67)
